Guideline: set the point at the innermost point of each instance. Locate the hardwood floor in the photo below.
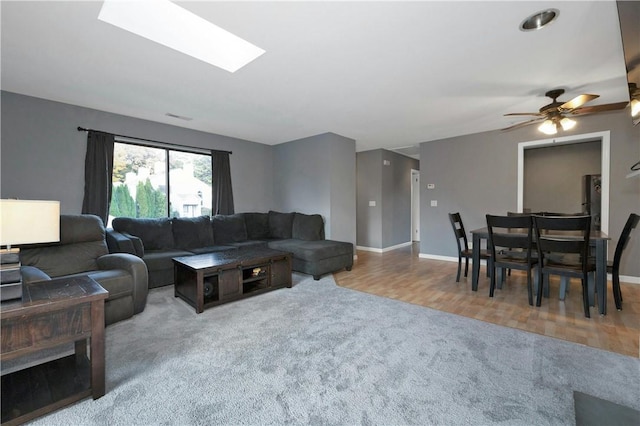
(401, 274)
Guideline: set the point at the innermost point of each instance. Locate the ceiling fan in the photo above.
(555, 115)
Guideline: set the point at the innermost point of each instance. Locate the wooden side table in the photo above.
(50, 314)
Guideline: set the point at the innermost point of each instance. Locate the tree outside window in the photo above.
(144, 187)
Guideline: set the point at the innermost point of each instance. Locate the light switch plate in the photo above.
(434, 203)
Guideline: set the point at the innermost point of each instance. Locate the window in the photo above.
(150, 182)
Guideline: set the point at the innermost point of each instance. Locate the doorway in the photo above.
(415, 205)
(602, 137)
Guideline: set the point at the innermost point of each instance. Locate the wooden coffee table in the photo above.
(53, 314)
(211, 279)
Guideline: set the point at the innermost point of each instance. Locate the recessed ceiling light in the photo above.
(539, 19)
(170, 25)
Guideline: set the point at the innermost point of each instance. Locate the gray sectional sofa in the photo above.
(157, 241)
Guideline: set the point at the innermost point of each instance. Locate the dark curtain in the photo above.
(221, 186)
(98, 167)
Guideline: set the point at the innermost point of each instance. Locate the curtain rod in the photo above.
(82, 129)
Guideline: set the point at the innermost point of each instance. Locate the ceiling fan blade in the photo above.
(524, 113)
(577, 102)
(599, 108)
(525, 123)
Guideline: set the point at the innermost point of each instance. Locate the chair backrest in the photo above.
(631, 224)
(510, 232)
(82, 242)
(560, 214)
(552, 236)
(459, 232)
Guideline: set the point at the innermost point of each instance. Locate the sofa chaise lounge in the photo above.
(157, 241)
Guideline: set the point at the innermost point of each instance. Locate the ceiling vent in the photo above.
(179, 117)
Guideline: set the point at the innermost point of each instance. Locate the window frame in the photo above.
(167, 150)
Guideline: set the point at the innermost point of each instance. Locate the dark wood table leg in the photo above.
(97, 349)
(199, 292)
(601, 275)
(475, 271)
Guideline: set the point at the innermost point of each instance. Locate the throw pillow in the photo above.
(280, 224)
(155, 234)
(257, 226)
(229, 228)
(308, 227)
(192, 232)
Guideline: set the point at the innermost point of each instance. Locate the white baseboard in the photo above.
(627, 279)
(383, 250)
(623, 278)
(445, 258)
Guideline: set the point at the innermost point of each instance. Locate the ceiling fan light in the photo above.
(567, 123)
(635, 108)
(548, 127)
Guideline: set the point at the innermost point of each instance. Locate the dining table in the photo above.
(597, 239)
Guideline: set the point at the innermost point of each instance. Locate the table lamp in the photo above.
(23, 222)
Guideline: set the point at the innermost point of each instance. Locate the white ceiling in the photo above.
(387, 74)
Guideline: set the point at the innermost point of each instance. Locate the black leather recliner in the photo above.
(82, 250)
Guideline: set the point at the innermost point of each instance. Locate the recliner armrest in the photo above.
(122, 242)
(138, 270)
(31, 274)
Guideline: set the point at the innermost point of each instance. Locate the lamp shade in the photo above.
(548, 127)
(29, 221)
(635, 108)
(567, 123)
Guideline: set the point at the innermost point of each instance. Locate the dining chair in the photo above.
(510, 245)
(613, 267)
(563, 249)
(463, 245)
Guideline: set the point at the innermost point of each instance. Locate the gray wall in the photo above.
(389, 222)
(553, 176)
(477, 174)
(317, 175)
(43, 153)
(369, 188)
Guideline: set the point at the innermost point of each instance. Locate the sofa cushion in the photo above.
(313, 250)
(213, 249)
(81, 229)
(162, 259)
(229, 228)
(155, 234)
(250, 244)
(308, 227)
(65, 259)
(280, 224)
(192, 232)
(82, 241)
(257, 226)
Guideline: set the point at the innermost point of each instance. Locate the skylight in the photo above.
(170, 25)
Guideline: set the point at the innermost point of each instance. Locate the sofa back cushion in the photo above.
(257, 226)
(280, 224)
(192, 232)
(229, 228)
(156, 234)
(82, 242)
(308, 227)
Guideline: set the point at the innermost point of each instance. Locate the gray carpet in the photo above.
(321, 354)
